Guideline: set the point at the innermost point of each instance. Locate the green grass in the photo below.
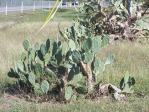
(40, 16)
(131, 104)
(131, 57)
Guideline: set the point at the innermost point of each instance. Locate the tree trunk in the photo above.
(88, 73)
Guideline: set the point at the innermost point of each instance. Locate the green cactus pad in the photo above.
(72, 45)
(59, 57)
(110, 59)
(23, 57)
(31, 78)
(87, 44)
(37, 86)
(105, 40)
(23, 78)
(55, 48)
(26, 45)
(43, 49)
(41, 57)
(48, 44)
(13, 74)
(20, 65)
(68, 93)
(96, 44)
(64, 48)
(88, 57)
(126, 83)
(47, 59)
(76, 56)
(73, 71)
(81, 90)
(45, 86)
(50, 73)
(32, 53)
(98, 66)
(38, 69)
(67, 65)
(77, 78)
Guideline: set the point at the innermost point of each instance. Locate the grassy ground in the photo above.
(132, 57)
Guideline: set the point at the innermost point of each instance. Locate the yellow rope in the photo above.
(51, 12)
(49, 16)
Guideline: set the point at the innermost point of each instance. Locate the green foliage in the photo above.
(77, 78)
(81, 90)
(98, 66)
(55, 48)
(117, 19)
(71, 66)
(64, 48)
(105, 40)
(32, 72)
(26, 45)
(48, 44)
(31, 78)
(76, 56)
(20, 66)
(72, 45)
(126, 83)
(87, 44)
(48, 66)
(88, 57)
(47, 59)
(68, 93)
(32, 54)
(23, 57)
(43, 49)
(50, 72)
(96, 44)
(45, 86)
(38, 69)
(110, 59)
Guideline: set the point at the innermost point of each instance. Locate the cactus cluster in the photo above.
(32, 69)
(67, 64)
(61, 63)
(70, 66)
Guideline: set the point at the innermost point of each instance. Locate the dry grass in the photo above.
(131, 57)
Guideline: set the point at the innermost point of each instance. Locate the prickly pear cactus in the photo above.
(83, 47)
(70, 66)
(126, 83)
(32, 68)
